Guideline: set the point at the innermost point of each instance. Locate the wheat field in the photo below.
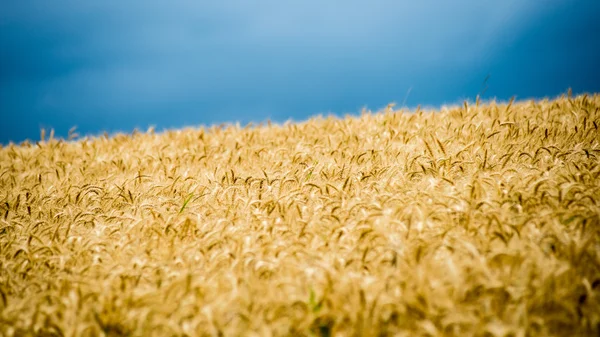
(474, 220)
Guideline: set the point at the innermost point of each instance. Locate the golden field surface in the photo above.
(475, 220)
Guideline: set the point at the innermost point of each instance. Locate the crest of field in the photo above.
(477, 220)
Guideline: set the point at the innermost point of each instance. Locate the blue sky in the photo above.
(119, 65)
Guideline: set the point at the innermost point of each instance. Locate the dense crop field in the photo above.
(480, 220)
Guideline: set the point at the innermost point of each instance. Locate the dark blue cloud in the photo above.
(118, 65)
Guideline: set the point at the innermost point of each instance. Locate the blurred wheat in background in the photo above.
(480, 220)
